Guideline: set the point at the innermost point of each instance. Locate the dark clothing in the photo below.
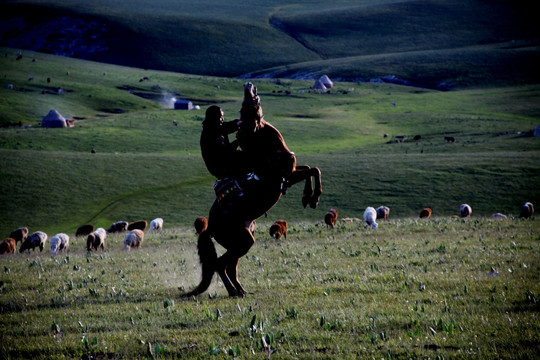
(220, 156)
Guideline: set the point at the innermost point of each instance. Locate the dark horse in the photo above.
(229, 221)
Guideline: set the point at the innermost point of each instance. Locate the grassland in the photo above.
(442, 288)
(146, 167)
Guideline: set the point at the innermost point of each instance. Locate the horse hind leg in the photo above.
(314, 201)
(232, 272)
(227, 264)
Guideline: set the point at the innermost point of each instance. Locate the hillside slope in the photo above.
(463, 42)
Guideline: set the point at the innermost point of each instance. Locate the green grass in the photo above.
(146, 168)
(410, 289)
(464, 42)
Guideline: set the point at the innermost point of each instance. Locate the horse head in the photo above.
(250, 94)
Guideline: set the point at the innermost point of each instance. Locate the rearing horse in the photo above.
(229, 221)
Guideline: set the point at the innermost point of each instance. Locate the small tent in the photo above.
(183, 105)
(326, 81)
(53, 120)
(536, 131)
(319, 86)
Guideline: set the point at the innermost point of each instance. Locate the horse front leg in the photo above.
(316, 173)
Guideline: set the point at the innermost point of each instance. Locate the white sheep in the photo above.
(370, 215)
(59, 242)
(156, 224)
(133, 239)
(465, 210)
(96, 240)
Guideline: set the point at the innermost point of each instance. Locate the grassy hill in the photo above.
(463, 42)
(146, 167)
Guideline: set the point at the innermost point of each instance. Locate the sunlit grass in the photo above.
(442, 287)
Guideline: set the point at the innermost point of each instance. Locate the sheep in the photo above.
(8, 246)
(19, 234)
(133, 239)
(464, 210)
(527, 210)
(84, 230)
(119, 226)
(138, 225)
(59, 242)
(279, 229)
(34, 240)
(96, 240)
(383, 212)
(156, 224)
(425, 213)
(201, 223)
(498, 216)
(370, 215)
(330, 218)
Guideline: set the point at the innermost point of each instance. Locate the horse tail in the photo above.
(207, 257)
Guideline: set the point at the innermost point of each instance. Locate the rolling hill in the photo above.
(462, 42)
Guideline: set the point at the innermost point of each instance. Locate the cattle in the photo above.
(133, 239)
(330, 218)
(449, 139)
(425, 213)
(19, 234)
(8, 246)
(138, 225)
(279, 229)
(34, 240)
(119, 226)
(417, 137)
(156, 224)
(464, 210)
(59, 242)
(201, 223)
(383, 212)
(527, 210)
(370, 215)
(96, 240)
(84, 230)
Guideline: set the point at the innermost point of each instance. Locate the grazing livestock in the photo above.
(425, 213)
(59, 242)
(449, 139)
(464, 210)
(34, 240)
(96, 240)
(156, 224)
(527, 210)
(201, 223)
(330, 218)
(138, 225)
(8, 246)
(383, 212)
(19, 234)
(85, 230)
(417, 137)
(279, 229)
(119, 226)
(133, 239)
(370, 215)
(498, 216)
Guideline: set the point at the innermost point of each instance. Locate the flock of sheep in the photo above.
(95, 239)
(371, 215)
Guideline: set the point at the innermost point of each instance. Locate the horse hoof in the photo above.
(313, 202)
